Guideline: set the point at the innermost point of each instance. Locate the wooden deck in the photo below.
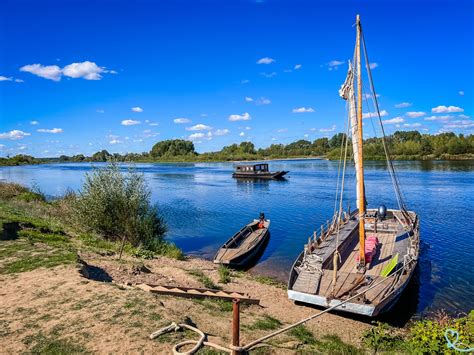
(391, 241)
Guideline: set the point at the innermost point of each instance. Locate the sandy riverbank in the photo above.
(103, 317)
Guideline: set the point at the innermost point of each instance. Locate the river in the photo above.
(203, 206)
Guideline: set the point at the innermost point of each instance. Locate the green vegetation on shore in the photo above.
(402, 145)
(111, 213)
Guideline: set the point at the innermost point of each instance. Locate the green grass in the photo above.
(215, 304)
(30, 263)
(266, 280)
(52, 239)
(204, 279)
(266, 323)
(41, 344)
(303, 334)
(224, 274)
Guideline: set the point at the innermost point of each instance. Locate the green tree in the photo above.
(172, 148)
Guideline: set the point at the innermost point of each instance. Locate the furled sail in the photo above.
(347, 92)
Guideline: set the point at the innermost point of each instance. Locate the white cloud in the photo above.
(265, 60)
(199, 127)
(248, 99)
(245, 81)
(4, 78)
(298, 66)
(461, 93)
(302, 110)
(14, 135)
(446, 109)
(369, 96)
(34, 123)
(86, 70)
(412, 125)
(130, 122)
(263, 101)
(51, 72)
(439, 118)
(373, 65)
(221, 132)
(459, 124)
(248, 128)
(52, 130)
(268, 75)
(154, 124)
(394, 120)
(181, 120)
(414, 114)
(19, 81)
(335, 63)
(115, 141)
(403, 105)
(100, 111)
(137, 109)
(464, 116)
(243, 117)
(374, 114)
(330, 129)
(195, 136)
(281, 130)
(242, 134)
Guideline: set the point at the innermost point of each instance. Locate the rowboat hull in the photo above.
(234, 257)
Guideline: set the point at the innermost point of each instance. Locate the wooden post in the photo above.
(322, 232)
(235, 325)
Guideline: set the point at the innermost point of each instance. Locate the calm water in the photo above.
(203, 206)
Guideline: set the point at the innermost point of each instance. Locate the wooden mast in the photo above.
(360, 157)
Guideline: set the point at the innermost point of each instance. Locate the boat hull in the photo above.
(244, 259)
(247, 258)
(259, 175)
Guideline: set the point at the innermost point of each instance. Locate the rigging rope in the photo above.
(391, 169)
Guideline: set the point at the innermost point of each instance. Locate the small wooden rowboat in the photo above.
(244, 246)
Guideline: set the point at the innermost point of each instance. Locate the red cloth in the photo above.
(371, 244)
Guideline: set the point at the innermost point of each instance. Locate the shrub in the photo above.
(224, 274)
(9, 190)
(117, 206)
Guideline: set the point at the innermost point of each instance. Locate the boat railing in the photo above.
(338, 220)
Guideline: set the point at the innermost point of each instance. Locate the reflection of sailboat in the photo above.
(371, 252)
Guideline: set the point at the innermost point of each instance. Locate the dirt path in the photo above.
(49, 305)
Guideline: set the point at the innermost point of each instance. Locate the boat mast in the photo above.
(360, 157)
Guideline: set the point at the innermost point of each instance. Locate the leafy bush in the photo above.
(381, 337)
(428, 336)
(117, 206)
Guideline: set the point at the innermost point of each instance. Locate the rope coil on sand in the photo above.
(198, 343)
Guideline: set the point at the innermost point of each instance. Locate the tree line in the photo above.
(402, 145)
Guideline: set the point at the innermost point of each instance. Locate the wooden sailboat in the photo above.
(371, 252)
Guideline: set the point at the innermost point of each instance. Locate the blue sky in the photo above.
(81, 76)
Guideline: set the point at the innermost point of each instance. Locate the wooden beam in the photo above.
(191, 292)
